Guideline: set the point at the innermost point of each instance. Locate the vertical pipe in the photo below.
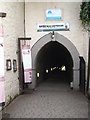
(24, 24)
(24, 20)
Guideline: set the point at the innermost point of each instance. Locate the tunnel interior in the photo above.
(54, 61)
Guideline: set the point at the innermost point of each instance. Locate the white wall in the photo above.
(35, 14)
(13, 28)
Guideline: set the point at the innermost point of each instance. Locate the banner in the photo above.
(2, 90)
(27, 63)
(53, 27)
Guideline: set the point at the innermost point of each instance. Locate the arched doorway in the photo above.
(54, 61)
(64, 54)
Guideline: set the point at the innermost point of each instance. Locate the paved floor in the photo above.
(51, 99)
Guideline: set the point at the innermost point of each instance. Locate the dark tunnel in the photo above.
(54, 61)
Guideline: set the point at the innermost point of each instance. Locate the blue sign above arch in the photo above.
(54, 14)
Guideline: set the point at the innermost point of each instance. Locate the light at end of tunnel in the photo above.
(38, 75)
(46, 70)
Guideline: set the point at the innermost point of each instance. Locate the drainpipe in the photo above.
(24, 21)
(24, 25)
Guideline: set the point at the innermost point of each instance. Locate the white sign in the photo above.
(26, 56)
(2, 90)
(53, 27)
(54, 14)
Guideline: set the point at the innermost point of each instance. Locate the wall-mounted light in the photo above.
(38, 75)
(46, 70)
(51, 69)
(52, 35)
(71, 85)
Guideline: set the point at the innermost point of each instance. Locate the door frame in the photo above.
(20, 67)
(82, 75)
(88, 75)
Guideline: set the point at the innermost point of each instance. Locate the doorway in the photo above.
(56, 56)
(22, 85)
(54, 63)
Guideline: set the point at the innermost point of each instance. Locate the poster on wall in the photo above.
(27, 63)
(2, 90)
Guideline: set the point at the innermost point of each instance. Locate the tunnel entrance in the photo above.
(56, 58)
(54, 63)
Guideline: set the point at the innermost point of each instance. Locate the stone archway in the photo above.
(68, 45)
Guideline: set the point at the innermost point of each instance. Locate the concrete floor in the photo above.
(51, 99)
